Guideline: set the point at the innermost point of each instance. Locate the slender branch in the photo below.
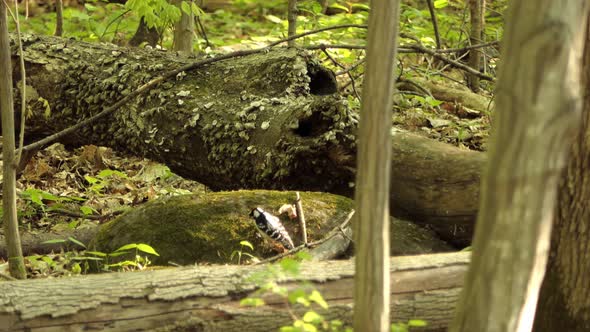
(434, 24)
(111, 22)
(348, 73)
(74, 214)
(301, 217)
(452, 62)
(470, 47)
(7, 277)
(311, 32)
(331, 234)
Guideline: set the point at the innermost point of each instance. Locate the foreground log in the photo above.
(206, 298)
(270, 120)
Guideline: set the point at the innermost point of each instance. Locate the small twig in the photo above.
(348, 73)
(311, 32)
(330, 235)
(467, 48)
(434, 23)
(23, 104)
(301, 217)
(111, 22)
(7, 277)
(279, 256)
(351, 68)
(74, 214)
(452, 62)
(416, 85)
(341, 46)
(203, 31)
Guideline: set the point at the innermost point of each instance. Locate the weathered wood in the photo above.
(206, 298)
(269, 121)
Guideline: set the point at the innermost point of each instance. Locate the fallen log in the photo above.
(269, 120)
(207, 298)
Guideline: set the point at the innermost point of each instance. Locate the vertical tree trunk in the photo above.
(538, 104)
(292, 20)
(184, 31)
(16, 264)
(371, 284)
(564, 303)
(476, 8)
(59, 20)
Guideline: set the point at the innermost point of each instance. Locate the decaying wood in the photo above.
(269, 120)
(33, 242)
(206, 298)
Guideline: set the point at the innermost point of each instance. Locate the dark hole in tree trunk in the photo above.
(323, 82)
(312, 126)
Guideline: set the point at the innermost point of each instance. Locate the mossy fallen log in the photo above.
(270, 120)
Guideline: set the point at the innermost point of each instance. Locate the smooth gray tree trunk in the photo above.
(537, 108)
(371, 229)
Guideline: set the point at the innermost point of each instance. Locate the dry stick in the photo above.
(151, 84)
(331, 234)
(434, 23)
(348, 73)
(74, 214)
(21, 136)
(7, 277)
(301, 217)
(452, 62)
(470, 47)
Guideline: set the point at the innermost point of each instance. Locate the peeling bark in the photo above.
(206, 298)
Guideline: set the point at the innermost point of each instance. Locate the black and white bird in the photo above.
(271, 227)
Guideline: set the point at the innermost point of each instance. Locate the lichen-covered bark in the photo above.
(227, 122)
(206, 298)
(269, 121)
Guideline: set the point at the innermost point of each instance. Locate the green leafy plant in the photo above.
(304, 297)
(240, 252)
(139, 262)
(102, 180)
(87, 260)
(406, 327)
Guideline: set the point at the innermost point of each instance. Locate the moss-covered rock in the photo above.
(208, 228)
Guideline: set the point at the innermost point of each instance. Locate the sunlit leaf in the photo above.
(312, 317)
(316, 297)
(127, 247)
(247, 244)
(147, 249)
(73, 240)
